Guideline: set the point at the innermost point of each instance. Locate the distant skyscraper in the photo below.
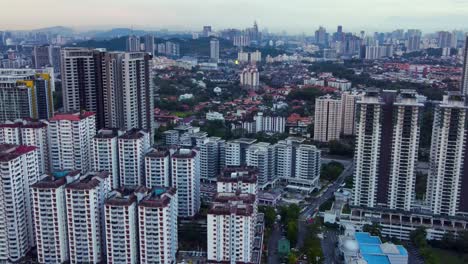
(444, 39)
(206, 31)
(447, 191)
(19, 170)
(250, 78)
(214, 50)
(414, 43)
(464, 85)
(149, 44)
(41, 56)
(133, 43)
(387, 140)
(328, 118)
(321, 36)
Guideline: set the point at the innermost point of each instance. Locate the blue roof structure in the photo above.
(374, 252)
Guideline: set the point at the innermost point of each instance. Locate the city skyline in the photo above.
(274, 14)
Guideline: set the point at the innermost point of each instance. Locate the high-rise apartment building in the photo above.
(115, 85)
(18, 171)
(387, 141)
(133, 43)
(269, 123)
(158, 168)
(186, 179)
(328, 118)
(348, 105)
(464, 84)
(149, 44)
(50, 216)
(232, 218)
(414, 43)
(71, 139)
(157, 224)
(307, 168)
(127, 90)
(84, 200)
(250, 78)
(212, 156)
(121, 225)
(105, 154)
(132, 146)
(29, 133)
(444, 39)
(236, 151)
(448, 178)
(214, 50)
(261, 156)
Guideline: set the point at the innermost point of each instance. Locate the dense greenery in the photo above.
(341, 148)
(307, 94)
(312, 248)
(374, 229)
(346, 209)
(331, 171)
(419, 238)
(289, 217)
(327, 205)
(270, 215)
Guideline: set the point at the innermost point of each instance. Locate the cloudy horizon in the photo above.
(294, 16)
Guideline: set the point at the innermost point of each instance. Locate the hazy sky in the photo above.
(291, 15)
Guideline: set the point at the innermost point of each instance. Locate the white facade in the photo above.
(22, 132)
(19, 169)
(71, 139)
(328, 118)
(186, 179)
(265, 123)
(157, 223)
(445, 192)
(261, 156)
(250, 78)
(404, 153)
(231, 225)
(348, 105)
(121, 227)
(105, 154)
(85, 206)
(50, 217)
(157, 168)
(214, 50)
(342, 85)
(212, 155)
(214, 116)
(133, 145)
(308, 164)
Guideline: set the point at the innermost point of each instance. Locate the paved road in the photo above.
(273, 245)
(329, 241)
(307, 213)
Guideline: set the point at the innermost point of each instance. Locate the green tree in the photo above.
(375, 229)
(292, 258)
(419, 236)
(270, 215)
(291, 232)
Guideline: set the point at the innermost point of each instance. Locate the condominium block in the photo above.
(157, 224)
(237, 179)
(328, 118)
(261, 156)
(158, 168)
(50, 216)
(186, 179)
(464, 83)
(85, 199)
(19, 170)
(446, 187)
(387, 139)
(133, 145)
(348, 105)
(71, 139)
(121, 225)
(212, 156)
(307, 168)
(30, 133)
(236, 151)
(105, 154)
